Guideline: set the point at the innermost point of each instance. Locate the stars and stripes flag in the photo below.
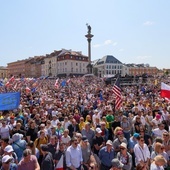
(117, 93)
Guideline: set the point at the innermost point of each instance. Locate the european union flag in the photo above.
(63, 83)
(9, 101)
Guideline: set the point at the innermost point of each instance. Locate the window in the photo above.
(109, 66)
(76, 64)
(65, 63)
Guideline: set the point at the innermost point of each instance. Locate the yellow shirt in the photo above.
(81, 125)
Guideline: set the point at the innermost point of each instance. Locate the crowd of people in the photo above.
(75, 126)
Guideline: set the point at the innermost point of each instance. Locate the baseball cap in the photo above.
(158, 116)
(116, 163)
(136, 135)
(6, 158)
(109, 142)
(8, 149)
(98, 130)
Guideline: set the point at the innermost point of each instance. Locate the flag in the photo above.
(60, 164)
(9, 101)
(63, 83)
(56, 83)
(117, 92)
(165, 90)
(27, 90)
(11, 79)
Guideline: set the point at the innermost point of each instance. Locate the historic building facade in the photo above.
(3, 72)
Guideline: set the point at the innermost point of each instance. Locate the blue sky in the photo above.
(134, 31)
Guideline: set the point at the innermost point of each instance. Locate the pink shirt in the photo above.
(30, 165)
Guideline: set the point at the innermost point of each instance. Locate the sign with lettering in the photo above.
(9, 101)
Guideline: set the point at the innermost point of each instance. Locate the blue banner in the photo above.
(9, 101)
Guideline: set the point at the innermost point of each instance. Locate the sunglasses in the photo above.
(165, 135)
(142, 140)
(122, 148)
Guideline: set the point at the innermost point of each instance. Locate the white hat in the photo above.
(8, 149)
(124, 145)
(98, 130)
(109, 142)
(6, 158)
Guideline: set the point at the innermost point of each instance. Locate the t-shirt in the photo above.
(99, 141)
(33, 133)
(155, 167)
(30, 165)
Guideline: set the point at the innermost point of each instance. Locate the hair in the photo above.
(160, 158)
(27, 152)
(117, 129)
(158, 139)
(5, 140)
(140, 137)
(73, 139)
(32, 147)
(157, 147)
(139, 167)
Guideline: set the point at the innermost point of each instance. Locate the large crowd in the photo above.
(75, 126)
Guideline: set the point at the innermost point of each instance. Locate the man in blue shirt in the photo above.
(106, 155)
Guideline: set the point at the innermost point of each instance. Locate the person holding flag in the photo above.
(59, 157)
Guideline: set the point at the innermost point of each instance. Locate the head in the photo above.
(120, 135)
(159, 148)
(165, 136)
(79, 137)
(160, 160)
(123, 148)
(27, 155)
(98, 132)
(44, 148)
(161, 126)
(109, 144)
(116, 164)
(6, 160)
(74, 142)
(141, 140)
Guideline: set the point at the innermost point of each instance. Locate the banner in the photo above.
(9, 101)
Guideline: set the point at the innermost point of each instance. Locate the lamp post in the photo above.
(89, 38)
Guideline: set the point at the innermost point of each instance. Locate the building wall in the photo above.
(141, 70)
(17, 68)
(109, 69)
(3, 72)
(72, 64)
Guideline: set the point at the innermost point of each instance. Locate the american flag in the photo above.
(117, 93)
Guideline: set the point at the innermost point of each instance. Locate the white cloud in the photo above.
(114, 44)
(143, 57)
(107, 42)
(148, 23)
(97, 45)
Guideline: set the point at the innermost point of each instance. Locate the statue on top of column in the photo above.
(88, 28)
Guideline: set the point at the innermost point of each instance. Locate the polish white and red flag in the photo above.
(57, 83)
(27, 90)
(165, 90)
(60, 164)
